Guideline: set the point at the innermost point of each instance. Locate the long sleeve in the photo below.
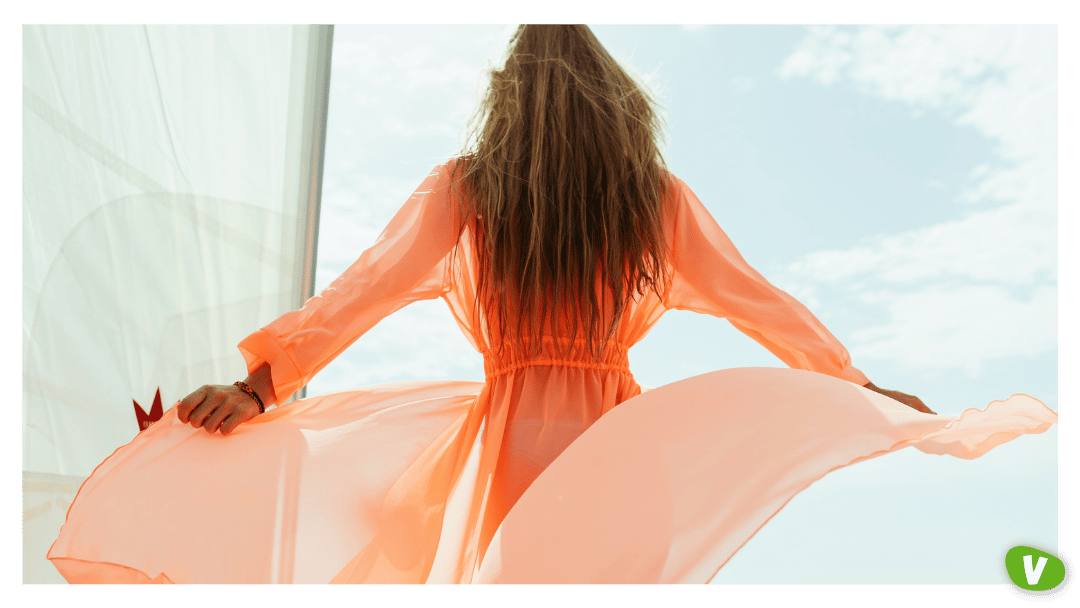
(711, 277)
(407, 263)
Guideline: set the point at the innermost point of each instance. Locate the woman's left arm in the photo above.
(408, 262)
(711, 277)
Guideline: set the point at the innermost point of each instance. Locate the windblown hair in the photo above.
(565, 187)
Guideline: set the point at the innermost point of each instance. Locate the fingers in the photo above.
(231, 422)
(909, 400)
(916, 403)
(919, 405)
(216, 408)
(189, 403)
(214, 420)
(203, 411)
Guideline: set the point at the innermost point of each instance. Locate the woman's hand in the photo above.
(223, 408)
(217, 407)
(909, 400)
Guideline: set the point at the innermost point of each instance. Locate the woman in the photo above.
(558, 239)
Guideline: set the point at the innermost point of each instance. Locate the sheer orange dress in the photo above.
(554, 469)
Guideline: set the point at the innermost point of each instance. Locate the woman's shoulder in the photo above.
(458, 162)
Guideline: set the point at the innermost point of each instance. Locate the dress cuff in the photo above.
(260, 347)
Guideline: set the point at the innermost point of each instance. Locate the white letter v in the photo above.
(1033, 574)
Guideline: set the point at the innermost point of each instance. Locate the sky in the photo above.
(899, 181)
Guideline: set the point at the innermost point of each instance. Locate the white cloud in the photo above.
(1000, 80)
(959, 327)
(948, 290)
(1006, 245)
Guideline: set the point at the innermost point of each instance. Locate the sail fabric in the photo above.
(170, 188)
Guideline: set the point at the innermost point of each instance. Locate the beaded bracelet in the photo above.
(251, 393)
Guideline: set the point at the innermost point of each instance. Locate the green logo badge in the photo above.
(1034, 570)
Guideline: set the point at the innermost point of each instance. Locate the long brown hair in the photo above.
(565, 184)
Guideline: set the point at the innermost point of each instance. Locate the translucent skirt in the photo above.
(664, 487)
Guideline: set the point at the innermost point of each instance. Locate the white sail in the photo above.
(171, 180)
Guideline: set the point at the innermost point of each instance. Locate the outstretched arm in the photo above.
(711, 277)
(407, 263)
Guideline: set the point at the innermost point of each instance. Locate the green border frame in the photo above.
(787, 11)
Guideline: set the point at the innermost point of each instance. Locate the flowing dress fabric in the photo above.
(533, 475)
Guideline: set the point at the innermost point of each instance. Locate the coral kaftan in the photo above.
(533, 475)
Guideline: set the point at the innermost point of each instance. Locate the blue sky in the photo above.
(899, 181)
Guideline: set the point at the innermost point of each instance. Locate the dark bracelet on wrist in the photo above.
(251, 393)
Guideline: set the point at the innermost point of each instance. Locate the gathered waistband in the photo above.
(614, 357)
(491, 370)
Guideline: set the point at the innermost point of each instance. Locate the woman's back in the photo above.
(564, 186)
